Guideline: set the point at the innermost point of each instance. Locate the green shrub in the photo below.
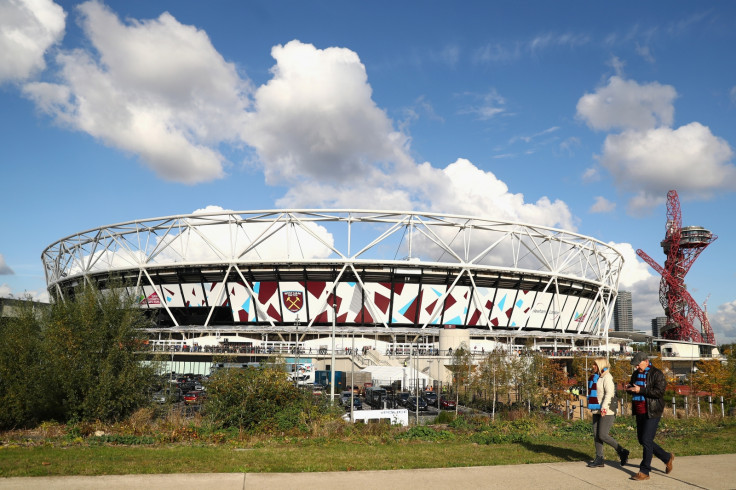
(425, 433)
(261, 400)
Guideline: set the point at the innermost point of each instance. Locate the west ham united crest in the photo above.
(293, 300)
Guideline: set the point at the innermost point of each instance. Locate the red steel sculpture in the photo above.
(681, 246)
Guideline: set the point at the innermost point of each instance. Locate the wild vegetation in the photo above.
(72, 377)
(76, 360)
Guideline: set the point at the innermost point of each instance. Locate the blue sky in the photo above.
(579, 117)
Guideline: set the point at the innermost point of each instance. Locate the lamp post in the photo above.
(332, 367)
(352, 382)
(296, 365)
(416, 382)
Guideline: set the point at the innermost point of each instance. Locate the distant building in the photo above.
(658, 325)
(11, 307)
(623, 316)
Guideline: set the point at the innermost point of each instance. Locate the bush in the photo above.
(75, 361)
(425, 433)
(260, 400)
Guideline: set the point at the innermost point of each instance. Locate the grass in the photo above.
(63, 452)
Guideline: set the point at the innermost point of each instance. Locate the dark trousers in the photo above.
(646, 429)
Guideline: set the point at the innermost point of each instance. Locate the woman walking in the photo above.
(602, 402)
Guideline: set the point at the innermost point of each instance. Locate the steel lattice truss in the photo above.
(380, 267)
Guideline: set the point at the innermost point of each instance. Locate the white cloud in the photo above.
(690, 159)
(602, 205)
(159, 90)
(7, 292)
(568, 145)
(316, 118)
(645, 53)
(626, 104)
(637, 277)
(648, 157)
(489, 105)
(155, 88)
(28, 28)
(591, 174)
(723, 323)
(5, 268)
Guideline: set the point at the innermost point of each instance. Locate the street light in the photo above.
(296, 366)
(332, 367)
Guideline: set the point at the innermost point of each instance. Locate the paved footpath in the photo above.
(711, 472)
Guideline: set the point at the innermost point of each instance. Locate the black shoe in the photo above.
(624, 456)
(596, 463)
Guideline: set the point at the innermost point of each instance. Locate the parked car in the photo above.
(345, 398)
(194, 397)
(447, 404)
(402, 397)
(412, 403)
(431, 398)
(167, 396)
(357, 404)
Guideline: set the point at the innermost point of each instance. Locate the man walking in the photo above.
(647, 385)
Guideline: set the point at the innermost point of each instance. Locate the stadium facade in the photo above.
(388, 280)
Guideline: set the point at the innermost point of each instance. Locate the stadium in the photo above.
(358, 288)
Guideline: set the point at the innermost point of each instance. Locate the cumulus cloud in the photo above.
(637, 277)
(159, 90)
(7, 292)
(316, 129)
(4, 268)
(690, 159)
(316, 118)
(602, 205)
(723, 323)
(29, 29)
(626, 104)
(156, 88)
(648, 156)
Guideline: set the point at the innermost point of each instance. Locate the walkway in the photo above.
(711, 472)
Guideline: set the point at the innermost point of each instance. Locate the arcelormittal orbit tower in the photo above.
(681, 246)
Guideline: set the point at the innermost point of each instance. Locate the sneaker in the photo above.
(596, 463)
(624, 456)
(668, 467)
(639, 477)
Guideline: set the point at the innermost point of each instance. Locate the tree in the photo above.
(77, 360)
(581, 369)
(493, 373)
(554, 382)
(23, 397)
(712, 376)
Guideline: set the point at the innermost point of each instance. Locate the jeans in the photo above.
(646, 429)
(601, 426)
